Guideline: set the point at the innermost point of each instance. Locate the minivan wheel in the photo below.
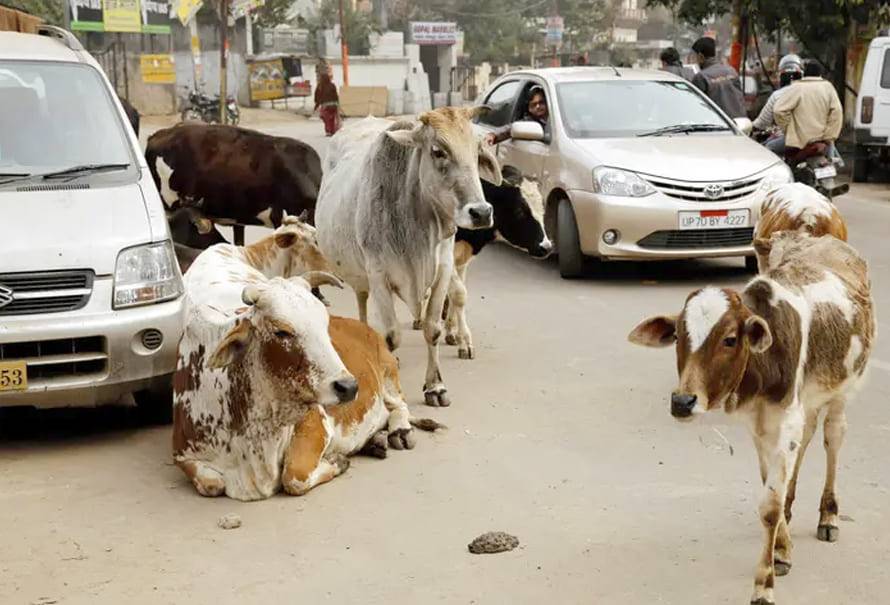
(568, 242)
(155, 404)
(860, 164)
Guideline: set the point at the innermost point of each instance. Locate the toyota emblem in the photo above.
(5, 296)
(712, 192)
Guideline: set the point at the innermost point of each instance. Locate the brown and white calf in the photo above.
(798, 207)
(792, 344)
(254, 358)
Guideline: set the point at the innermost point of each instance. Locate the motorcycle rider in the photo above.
(790, 69)
(809, 112)
(718, 80)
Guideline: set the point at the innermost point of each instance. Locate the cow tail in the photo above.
(150, 156)
(427, 424)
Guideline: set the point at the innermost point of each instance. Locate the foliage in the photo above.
(48, 10)
(359, 24)
(272, 13)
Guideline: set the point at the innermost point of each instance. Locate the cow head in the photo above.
(715, 335)
(519, 213)
(451, 161)
(189, 227)
(298, 241)
(281, 346)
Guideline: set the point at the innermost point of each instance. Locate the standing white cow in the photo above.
(391, 199)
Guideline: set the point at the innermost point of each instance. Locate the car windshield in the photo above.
(627, 108)
(55, 116)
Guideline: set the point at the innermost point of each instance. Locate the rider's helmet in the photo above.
(790, 69)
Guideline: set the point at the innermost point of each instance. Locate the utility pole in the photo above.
(735, 54)
(344, 47)
(223, 43)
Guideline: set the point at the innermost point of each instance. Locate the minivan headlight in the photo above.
(775, 175)
(146, 274)
(612, 181)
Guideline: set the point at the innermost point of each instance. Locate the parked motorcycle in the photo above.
(204, 108)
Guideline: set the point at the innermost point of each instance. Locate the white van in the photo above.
(872, 121)
(91, 298)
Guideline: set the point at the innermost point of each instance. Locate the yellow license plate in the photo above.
(13, 376)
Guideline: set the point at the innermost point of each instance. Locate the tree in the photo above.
(359, 24)
(48, 10)
(273, 12)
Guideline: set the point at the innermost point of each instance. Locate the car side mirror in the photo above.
(745, 125)
(526, 131)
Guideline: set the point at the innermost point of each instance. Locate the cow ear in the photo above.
(658, 331)
(489, 168)
(405, 138)
(232, 347)
(511, 176)
(285, 239)
(758, 334)
(477, 110)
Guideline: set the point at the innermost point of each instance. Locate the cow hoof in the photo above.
(341, 462)
(828, 533)
(781, 568)
(450, 340)
(392, 341)
(402, 439)
(376, 446)
(762, 601)
(437, 398)
(417, 325)
(467, 353)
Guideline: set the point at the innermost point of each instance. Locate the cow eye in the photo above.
(438, 153)
(729, 341)
(283, 334)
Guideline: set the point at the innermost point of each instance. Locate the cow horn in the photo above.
(322, 278)
(250, 295)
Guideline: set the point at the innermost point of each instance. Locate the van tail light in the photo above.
(868, 109)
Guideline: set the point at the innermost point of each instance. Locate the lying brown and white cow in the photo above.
(793, 343)
(254, 358)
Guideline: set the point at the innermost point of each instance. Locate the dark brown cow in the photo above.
(234, 175)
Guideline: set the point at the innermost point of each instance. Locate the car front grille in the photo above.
(44, 292)
(706, 192)
(58, 359)
(698, 238)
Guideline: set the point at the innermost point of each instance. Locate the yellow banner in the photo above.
(157, 69)
(122, 16)
(266, 80)
(187, 9)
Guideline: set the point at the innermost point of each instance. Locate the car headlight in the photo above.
(775, 175)
(146, 274)
(612, 181)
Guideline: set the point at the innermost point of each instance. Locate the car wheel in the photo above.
(155, 404)
(751, 264)
(860, 164)
(568, 242)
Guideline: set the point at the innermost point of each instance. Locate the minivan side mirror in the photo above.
(745, 125)
(526, 130)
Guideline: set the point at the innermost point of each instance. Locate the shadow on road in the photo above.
(30, 424)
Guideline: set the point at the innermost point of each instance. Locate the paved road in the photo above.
(559, 433)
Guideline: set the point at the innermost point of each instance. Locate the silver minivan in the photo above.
(91, 298)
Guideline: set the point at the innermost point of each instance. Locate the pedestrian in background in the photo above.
(718, 80)
(670, 62)
(327, 102)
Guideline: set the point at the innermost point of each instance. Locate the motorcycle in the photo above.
(814, 166)
(201, 107)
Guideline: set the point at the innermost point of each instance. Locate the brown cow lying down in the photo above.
(792, 344)
(798, 207)
(256, 359)
(234, 175)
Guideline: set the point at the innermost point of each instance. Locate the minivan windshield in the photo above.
(628, 108)
(57, 116)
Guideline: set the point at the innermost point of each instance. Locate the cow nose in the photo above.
(481, 214)
(682, 405)
(543, 249)
(345, 388)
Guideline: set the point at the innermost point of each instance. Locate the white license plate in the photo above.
(825, 172)
(714, 219)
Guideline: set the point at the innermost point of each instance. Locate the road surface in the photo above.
(559, 433)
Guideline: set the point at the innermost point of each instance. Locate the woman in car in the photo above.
(536, 111)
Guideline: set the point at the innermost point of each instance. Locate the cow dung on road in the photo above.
(493, 542)
(230, 521)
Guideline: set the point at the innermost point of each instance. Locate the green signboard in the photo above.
(135, 16)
